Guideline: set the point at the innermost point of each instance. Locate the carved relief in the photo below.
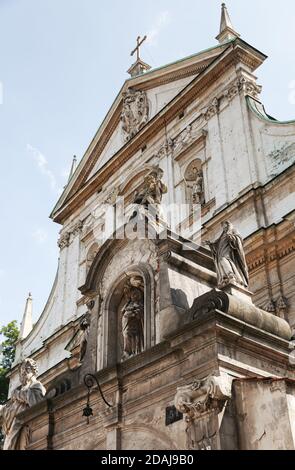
(135, 112)
(133, 317)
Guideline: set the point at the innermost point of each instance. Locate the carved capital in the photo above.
(64, 240)
(242, 85)
(249, 87)
(212, 109)
(77, 228)
(112, 196)
(203, 396)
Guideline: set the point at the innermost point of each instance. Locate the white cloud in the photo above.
(40, 235)
(42, 164)
(161, 21)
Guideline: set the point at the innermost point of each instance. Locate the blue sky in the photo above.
(62, 62)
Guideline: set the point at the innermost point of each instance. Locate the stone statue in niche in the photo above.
(133, 317)
(134, 113)
(84, 328)
(198, 196)
(229, 258)
(30, 392)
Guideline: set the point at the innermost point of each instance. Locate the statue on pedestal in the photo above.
(30, 392)
(229, 258)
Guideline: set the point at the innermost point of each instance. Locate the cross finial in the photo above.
(139, 43)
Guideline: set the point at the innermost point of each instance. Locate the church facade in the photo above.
(185, 357)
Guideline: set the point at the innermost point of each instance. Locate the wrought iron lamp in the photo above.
(89, 381)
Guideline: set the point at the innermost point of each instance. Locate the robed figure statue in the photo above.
(133, 317)
(229, 257)
(30, 392)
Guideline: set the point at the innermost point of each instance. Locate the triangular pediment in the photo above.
(160, 86)
(141, 100)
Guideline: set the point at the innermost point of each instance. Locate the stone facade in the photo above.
(224, 351)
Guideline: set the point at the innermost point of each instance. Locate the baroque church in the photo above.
(182, 341)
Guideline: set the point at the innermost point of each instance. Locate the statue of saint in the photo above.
(84, 327)
(133, 317)
(229, 257)
(198, 188)
(151, 195)
(154, 189)
(30, 392)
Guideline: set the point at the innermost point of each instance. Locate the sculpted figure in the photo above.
(84, 327)
(229, 257)
(30, 392)
(152, 193)
(134, 112)
(133, 317)
(154, 189)
(198, 188)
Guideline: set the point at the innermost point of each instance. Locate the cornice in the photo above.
(266, 254)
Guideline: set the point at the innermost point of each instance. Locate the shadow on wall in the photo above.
(179, 299)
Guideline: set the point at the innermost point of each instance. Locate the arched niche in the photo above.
(115, 260)
(112, 312)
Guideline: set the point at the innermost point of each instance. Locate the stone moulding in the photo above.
(240, 309)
